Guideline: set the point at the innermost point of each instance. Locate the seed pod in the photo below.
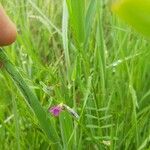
(8, 30)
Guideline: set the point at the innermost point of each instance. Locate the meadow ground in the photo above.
(86, 58)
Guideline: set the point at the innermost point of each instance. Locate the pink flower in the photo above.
(56, 110)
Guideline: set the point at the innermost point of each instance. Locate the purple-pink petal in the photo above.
(56, 110)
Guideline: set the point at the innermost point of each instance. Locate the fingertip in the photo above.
(8, 30)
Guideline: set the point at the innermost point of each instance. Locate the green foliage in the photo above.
(78, 53)
(136, 13)
(32, 100)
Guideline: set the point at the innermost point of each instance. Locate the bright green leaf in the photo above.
(134, 12)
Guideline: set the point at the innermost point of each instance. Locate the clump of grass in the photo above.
(77, 53)
(31, 98)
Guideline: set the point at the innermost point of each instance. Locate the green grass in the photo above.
(79, 53)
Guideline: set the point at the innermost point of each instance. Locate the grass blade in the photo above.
(30, 98)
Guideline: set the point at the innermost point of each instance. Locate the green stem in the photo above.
(31, 99)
